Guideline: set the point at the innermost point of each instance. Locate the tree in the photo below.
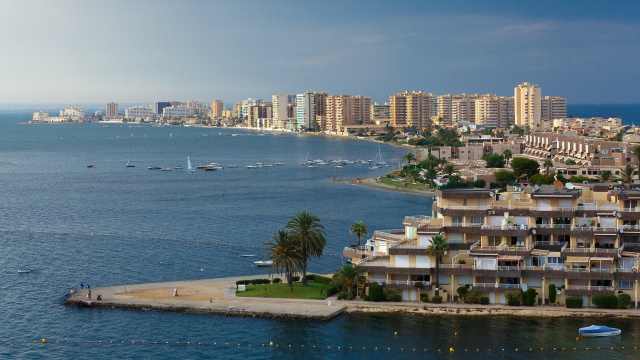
(507, 155)
(636, 152)
(306, 230)
(359, 228)
(494, 161)
(547, 164)
(570, 162)
(449, 170)
(437, 248)
(348, 277)
(409, 157)
(627, 174)
(504, 177)
(430, 175)
(605, 175)
(284, 253)
(544, 179)
(524, 167)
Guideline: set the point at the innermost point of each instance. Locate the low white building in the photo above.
(141, 112)
(40, 116)
(175, 112)
(74, 113)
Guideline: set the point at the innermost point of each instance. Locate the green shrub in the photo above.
(276, 281)
(514, 302)
(425, 298)
(462, 291)
(607, 301)
(574, 302)
(390, 294)
(484, 300)
(624, 301)
(552, 294)
(529, 297)
(321, 279)
(513, 295)
(436, 299)
(242, 282)
(397, 298)
(366, 298)
(332, 290)
(342, 296)
(376, 292)
(295, 278)
(311, 277)
(471, 297)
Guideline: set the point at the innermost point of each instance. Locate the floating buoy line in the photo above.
(217, 243)
(291, 347)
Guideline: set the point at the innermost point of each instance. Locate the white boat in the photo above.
(263, 263)
(251, 166)
(165, 169)
(598, 330)
(232, 166)
(247, 255)
(23, 271)
(189, 166)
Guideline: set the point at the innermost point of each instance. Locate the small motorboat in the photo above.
(263, 263)
(23, 271)
(90, 165)
(165, 169)
(154, 167)
(247, 255)
(598, 330)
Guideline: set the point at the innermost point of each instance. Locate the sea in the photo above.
(117, 225)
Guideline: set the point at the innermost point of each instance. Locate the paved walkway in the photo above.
(207, 295)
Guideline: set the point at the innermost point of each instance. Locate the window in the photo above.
(625, 285)
(555, 260)
(456, 220)
(495, 240)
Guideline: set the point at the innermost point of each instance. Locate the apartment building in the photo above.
(259, 116)
(343, 110)
(139, 112)
(380, 113)
(217, 107)
(586, 123)
(552, 107)
(411, 109)
(584, 239)
(175, 112)
(112, 110)
(528, 106)
(280, 110)
(40, 116)
(494, 111)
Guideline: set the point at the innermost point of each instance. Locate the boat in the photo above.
(154, 167)
(129, 164)
(189, 166)
(165, 169)
(232, 166)
(201, 166)
(599, 330)
(263, 263)
(247, 255)
(90, 165)
(210, 168)
(23, 271)
(251, 166)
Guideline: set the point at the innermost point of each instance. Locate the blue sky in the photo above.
(145, 51)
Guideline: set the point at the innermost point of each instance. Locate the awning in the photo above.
(629, 254)
(510, 258)
(538, 252)
(576, 259)
(554, 254)
(601, 259)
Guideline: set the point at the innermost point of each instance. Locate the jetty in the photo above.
(214, 296)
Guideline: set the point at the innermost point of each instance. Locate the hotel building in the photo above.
(139, 112)
(412, 109)
(584, 239)
(112, 110)
(380, 114)
(175, 112)
(40, 116)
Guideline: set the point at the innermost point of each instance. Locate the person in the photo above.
(71, 292)
(81, 286)
(89, 295)
(99, 297)
(175, 292)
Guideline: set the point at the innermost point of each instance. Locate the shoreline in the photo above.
(217, 296)
(371, 183)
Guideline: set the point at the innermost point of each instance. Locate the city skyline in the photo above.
(141, 52)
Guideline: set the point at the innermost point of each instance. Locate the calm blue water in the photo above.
(629, 113)
(51, 204)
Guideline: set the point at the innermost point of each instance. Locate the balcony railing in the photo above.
(589, 287)
(400, 282)
(509, 268)
(509, 286)
(488, 285)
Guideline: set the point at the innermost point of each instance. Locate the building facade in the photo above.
(139, 112)
(380, 113)
(217, 107)
(158, 107)
(552, 107)
(577, 241)
(528, 106)
(305, 110)
(175, 112)
(112, 110)
(40, 116)
(411, 109)
(494, 111)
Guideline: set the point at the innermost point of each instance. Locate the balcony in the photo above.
(402, 284)
(463, 227)
(505, 230)
(593, 231)
(357, 253)
(552, 229)
(416, 221)
(494, 287)
(579, 290)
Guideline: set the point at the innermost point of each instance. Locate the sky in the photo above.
(144, 51)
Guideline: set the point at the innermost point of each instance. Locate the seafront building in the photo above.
(380, 114)
(412, 109)
(40, 116)
(586, 123)
(343, 110)
(112, 111)
(527, 106)
(217, 107)
(494, 111)
(583, 239)
(139, 112)
(158, 107)
(259, 116)
(175, 112)
(552, 107)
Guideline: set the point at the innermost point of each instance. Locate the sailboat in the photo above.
(379, 160)
(189, 166)
(130, 165)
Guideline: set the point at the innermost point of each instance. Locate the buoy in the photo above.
(44, 341)
(456, 334)
(451, 350)
(271, 343)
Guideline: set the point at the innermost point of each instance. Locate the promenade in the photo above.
(215, 296)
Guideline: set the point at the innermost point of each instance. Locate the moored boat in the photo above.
(165, 169)
(599, 330)
(154, 167)
(23, 270)
(263, 263)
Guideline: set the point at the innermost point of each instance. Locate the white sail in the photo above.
(189, 166)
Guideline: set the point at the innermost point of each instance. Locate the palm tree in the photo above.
(409, 157)
(547, 164)
(627, 174)
(306, 230)
(437, 248)
(605, 175)
(507, 155)
(285, 255)
(348, 276)
(431, 174)
(359, 228)
(449, 170)
(636, 152)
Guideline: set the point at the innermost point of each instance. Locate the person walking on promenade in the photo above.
(89, 295)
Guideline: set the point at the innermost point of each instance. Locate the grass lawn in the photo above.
(400, 185)
(312, 290)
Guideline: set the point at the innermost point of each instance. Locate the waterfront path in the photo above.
(204, 296)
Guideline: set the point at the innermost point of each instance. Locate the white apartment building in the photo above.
(175, 112)
(528, 106)
(40, 116)
(494, 111)
(552, 107)
(586, 123)
(74, 113)
(305, 110)
(139, 112)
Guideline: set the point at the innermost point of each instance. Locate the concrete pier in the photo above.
(216, 296)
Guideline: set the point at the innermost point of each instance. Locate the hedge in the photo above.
(332, 290)
(529, 297)
(366, 298)
(376, 292)
(390, 294)
(471, 297)
(295, 278)
(425, 298)
(276, 281)
(574, 302)
(514, 302)
(624, 301)
(319, 279)
(552, 293)
(607, 301)
(484, 300)
(436, 299)
(397, 298)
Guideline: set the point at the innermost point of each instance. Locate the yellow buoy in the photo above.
(44, 341)
(271, 343)
(451, 350)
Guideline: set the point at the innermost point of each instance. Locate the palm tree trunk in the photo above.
(437, 275)
(303, 280)
(359, 236)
